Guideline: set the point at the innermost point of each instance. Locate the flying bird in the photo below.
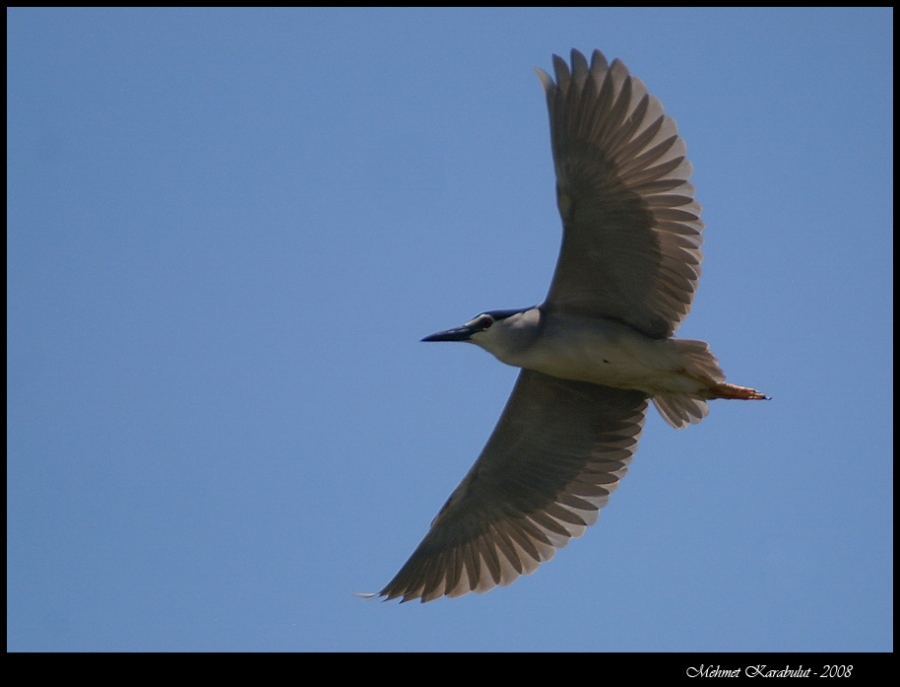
(593, 353)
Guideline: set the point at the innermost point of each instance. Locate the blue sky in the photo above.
(229, 229)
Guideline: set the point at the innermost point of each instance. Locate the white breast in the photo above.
(607, 352)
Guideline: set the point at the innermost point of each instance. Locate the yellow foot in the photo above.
(725, 390)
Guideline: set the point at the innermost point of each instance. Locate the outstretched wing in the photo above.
(557, 453)
(631, 227)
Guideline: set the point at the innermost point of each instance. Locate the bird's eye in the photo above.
(485, 322)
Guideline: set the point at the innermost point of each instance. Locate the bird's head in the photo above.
(501, 332)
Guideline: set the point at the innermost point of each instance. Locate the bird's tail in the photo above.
(680, 410)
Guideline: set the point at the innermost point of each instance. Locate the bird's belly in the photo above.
(614, 355)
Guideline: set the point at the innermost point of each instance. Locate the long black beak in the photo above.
(459, 334)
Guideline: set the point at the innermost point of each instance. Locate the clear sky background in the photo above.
(228, 230)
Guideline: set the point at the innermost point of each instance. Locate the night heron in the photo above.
(593, 353)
